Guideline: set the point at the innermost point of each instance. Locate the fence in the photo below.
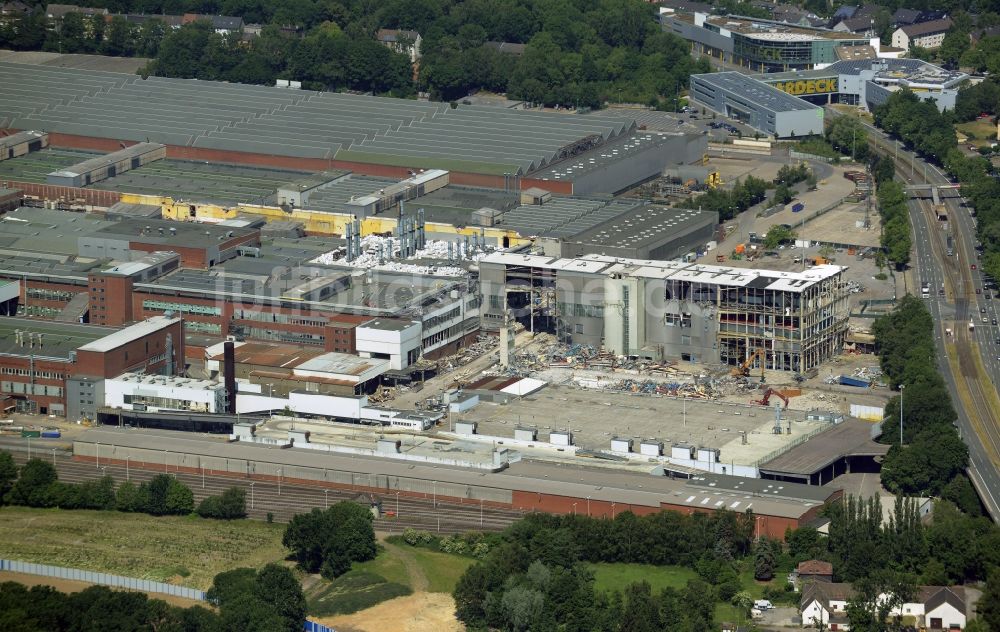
(801, 155)
(104, 579)
(312, 626)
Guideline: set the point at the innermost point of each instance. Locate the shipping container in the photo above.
(846, 380)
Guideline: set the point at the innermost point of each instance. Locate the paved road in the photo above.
(973, 388)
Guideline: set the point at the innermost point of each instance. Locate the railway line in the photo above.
(969, 360)
(283, 500)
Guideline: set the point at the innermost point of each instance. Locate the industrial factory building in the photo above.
(52, 368)
(323, 131)
(107, 166)
(760, 106)
(658, 309)
(22, 143)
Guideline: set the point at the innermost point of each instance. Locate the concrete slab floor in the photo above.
(596, 416)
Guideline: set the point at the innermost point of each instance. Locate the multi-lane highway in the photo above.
(285, 500)
(968, 357)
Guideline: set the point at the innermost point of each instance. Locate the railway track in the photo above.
(284, 500)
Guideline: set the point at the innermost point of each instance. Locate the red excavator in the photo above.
(763, 401)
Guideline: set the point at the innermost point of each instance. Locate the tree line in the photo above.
(933, 457)
(580, 54)
(931, 134)
(265, 600)
(729, 203)
(37, 484)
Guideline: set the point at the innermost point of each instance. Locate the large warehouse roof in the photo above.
(756, 91)
(278, 121)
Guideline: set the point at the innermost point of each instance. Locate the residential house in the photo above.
(171, 21)
(407, 42)
(56, 12)
(814, 570)
(221, 24)
(10, 11)
(856, 25)
(507, 48)
(933, 607)
(824, 604)
(923, 34)
(905, 17)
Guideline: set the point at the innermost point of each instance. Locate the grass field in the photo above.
(442, 570)
(397, 570)
(608, 577)
(188, 551)
(983, 130)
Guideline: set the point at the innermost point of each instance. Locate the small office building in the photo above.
(753, 102)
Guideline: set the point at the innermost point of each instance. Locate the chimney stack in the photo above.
(229, 364)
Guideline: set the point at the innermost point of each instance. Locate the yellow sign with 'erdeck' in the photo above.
(810, 86)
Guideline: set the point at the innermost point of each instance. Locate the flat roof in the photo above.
(673, 270)
(850, 437)
(644, 225)
(756, 91)
(169, 380)
(387, 324)
(341, 363)
(566, 480)
(769, 30)
(265, 354)
(58, 339)
(129, 334)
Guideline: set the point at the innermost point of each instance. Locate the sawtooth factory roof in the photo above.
(302, 123)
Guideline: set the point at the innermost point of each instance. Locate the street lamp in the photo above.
(434, 501)
(574, 509)
(480, 513)
(612, 509)
(397, 504)
(98, 451)
(279, 481)
(53, 457)
(326, 498)
(588, 506)
(901, 387)
(251, 495)
(29, 448)
(127, 457)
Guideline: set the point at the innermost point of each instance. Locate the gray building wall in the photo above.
(798, 123)
(103, 248)
(83, 397)
(780, 124)
(667, 246)
(622, 174)
(699, 35)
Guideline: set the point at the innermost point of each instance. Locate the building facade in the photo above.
(750, 101)
(671, 310)
(761, 45)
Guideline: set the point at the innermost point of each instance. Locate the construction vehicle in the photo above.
(743, 370)
(764, 401)
(713, 180)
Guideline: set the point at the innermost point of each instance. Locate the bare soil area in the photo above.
(419, 612)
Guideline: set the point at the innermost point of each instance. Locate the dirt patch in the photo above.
(419, 612)
(418, 580)
(71, 586)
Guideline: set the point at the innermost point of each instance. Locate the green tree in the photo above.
(330, 541)
(777, 235)
(131, 497)
(8, 475)
(764, 560)
(34, 485)
(782, 194)
(848, 136)
(989, 604)
(875, 597)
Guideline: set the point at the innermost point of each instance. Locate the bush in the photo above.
(230, 505)
(34, 485)
(413, 537)
(454, 544)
